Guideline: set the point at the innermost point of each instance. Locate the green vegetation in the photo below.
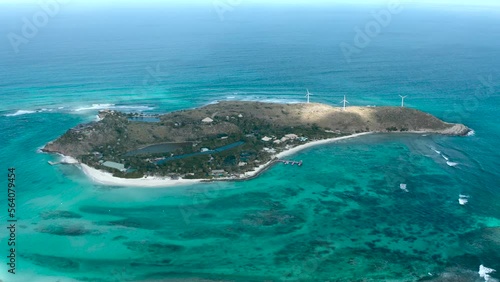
(262, 127)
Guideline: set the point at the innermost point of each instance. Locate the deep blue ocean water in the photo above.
(340, 217)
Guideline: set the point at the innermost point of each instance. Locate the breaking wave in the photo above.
(95, 107)
(463, 199)
(447, 159)
(485, 272)
(20, 113)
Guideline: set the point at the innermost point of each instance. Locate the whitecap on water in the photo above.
(463, 199)
(402, 186)
(94, 107)
(452, 164)
(20, 113)
(485, 272)
(27, 112)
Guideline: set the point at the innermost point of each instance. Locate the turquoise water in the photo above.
(340, 217)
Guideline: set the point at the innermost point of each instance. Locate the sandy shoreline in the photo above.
(106, 178)
(316, 143)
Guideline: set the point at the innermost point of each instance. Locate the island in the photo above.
(223, 141)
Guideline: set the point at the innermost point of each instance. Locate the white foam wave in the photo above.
(447, 159)
(135, 108)
(27, 112)
(20, 113)
(68, 160)
(267, 99)
(403, 187)
(96, 107)
(471, 133)
(485, 272)
(281, 101)
(463, 199)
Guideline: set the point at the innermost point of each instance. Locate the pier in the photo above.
(298, 163)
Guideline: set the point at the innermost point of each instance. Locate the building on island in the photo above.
(207, 120)
(266, 139)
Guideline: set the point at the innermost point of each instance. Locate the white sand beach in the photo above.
(316, 143)
(106, 178)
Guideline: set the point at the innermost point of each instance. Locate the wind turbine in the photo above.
(402, 100)
(344, 101)
(308, 95)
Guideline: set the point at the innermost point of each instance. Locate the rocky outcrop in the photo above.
(456, 130)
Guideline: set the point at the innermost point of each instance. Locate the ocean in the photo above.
(342, 216)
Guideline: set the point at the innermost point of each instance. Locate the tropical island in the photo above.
(226, 140)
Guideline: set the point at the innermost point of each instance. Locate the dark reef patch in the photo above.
(65, 230)
(61, 264)
(59, 214)
(153, 248)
